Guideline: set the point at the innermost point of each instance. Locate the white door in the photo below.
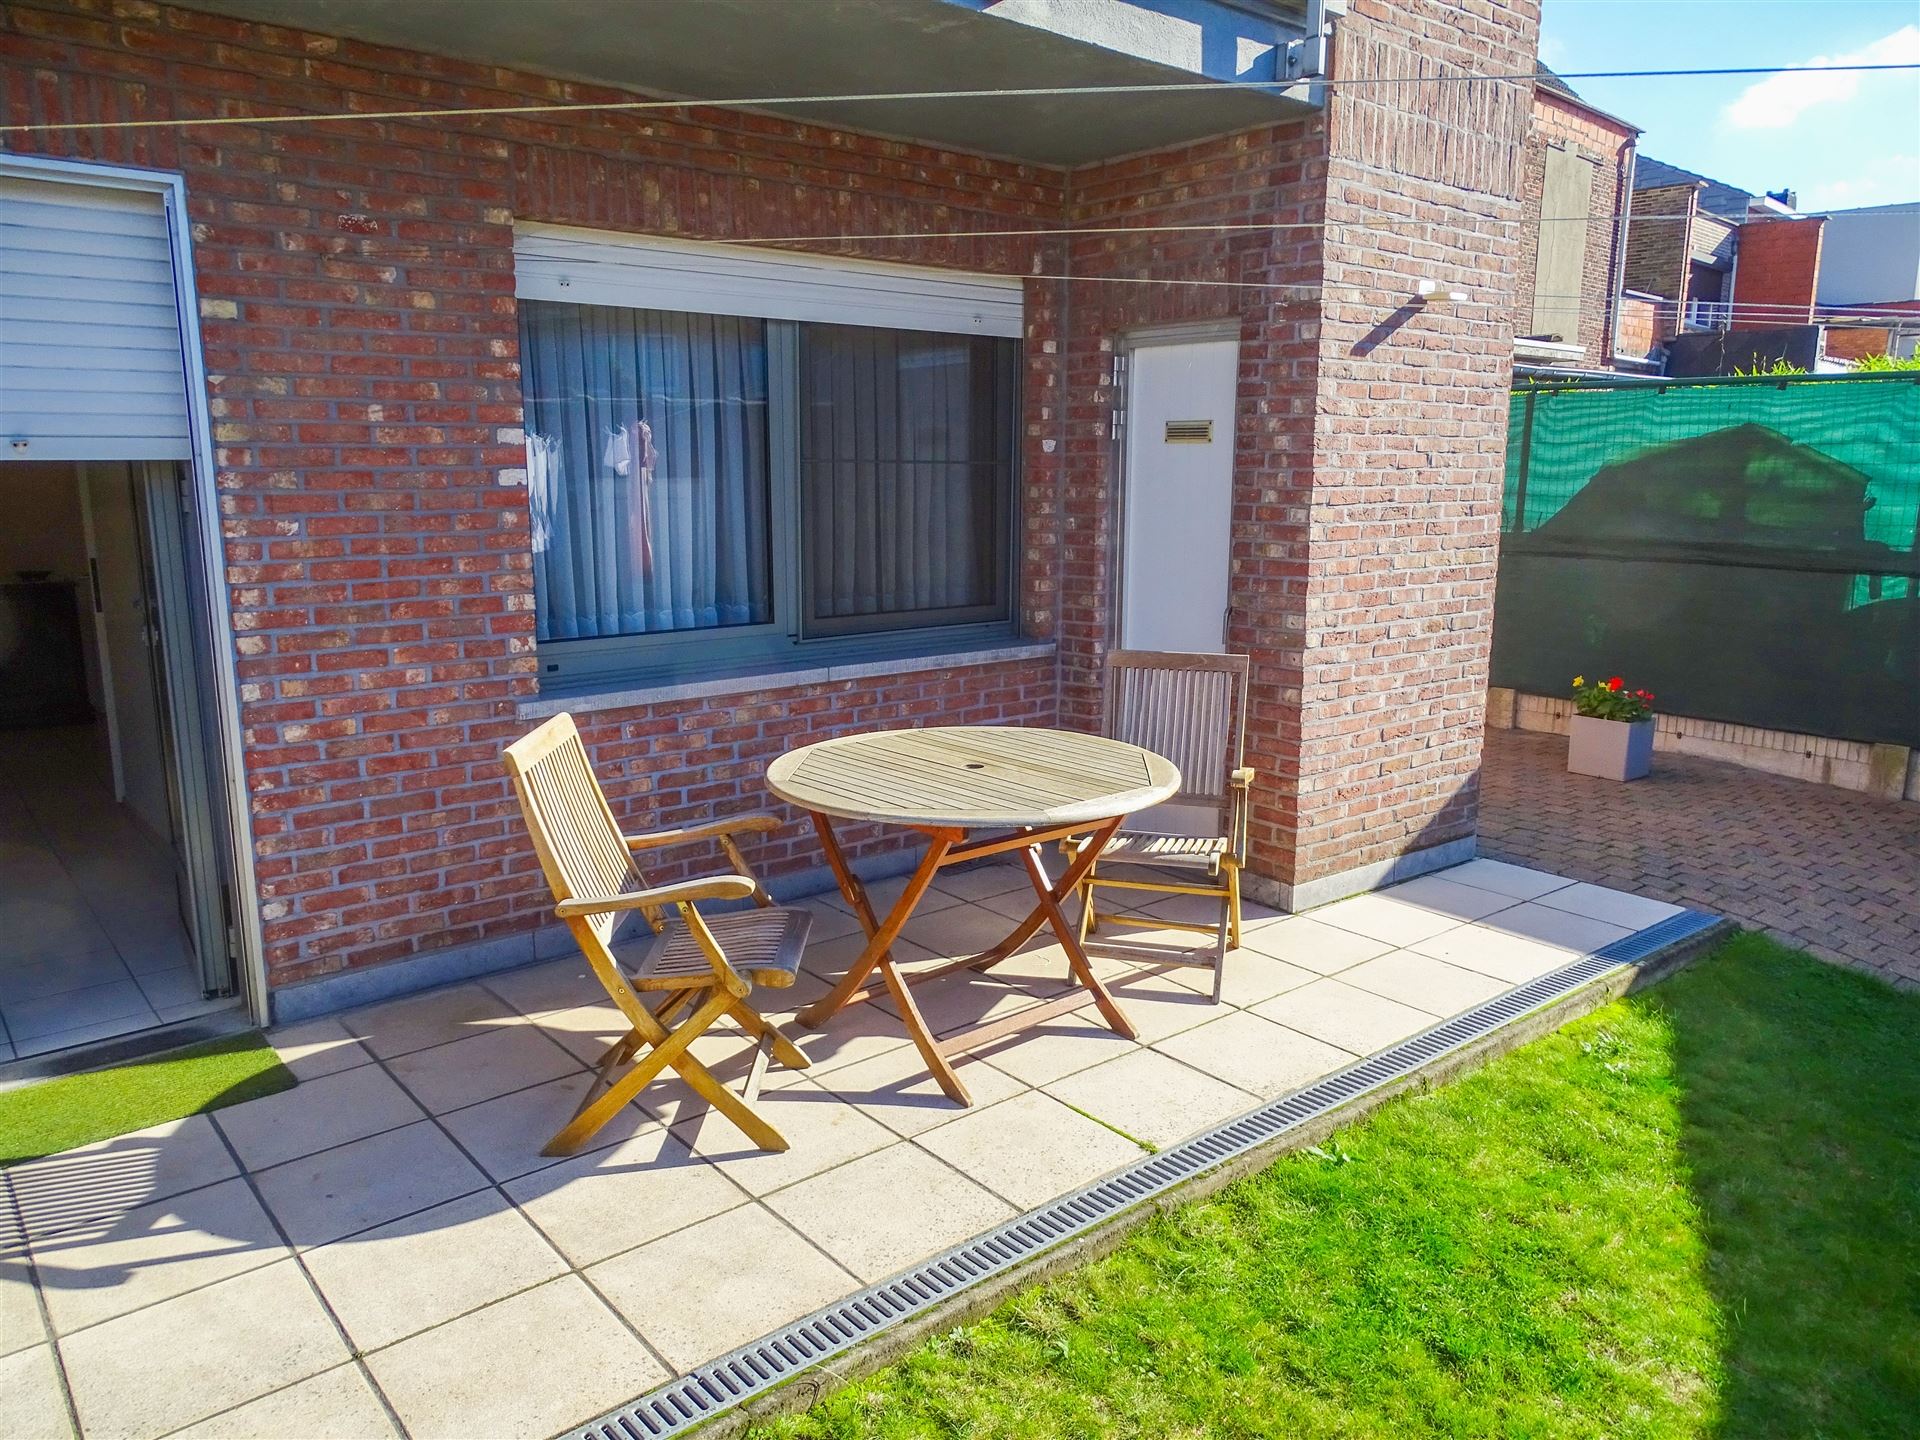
(1178, 495)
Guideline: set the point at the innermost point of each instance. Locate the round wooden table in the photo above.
(1030, 787)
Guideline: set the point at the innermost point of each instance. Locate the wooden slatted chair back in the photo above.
(580, 844)
(1190, 708)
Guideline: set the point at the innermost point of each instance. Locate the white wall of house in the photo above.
(1871, 254)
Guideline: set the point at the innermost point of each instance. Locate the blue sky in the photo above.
(1838, 140)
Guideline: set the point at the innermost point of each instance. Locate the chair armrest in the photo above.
(717, 887)
(707, 830)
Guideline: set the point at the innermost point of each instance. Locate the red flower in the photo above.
(1614, 683)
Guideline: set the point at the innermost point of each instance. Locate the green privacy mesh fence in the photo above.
(1749, 551)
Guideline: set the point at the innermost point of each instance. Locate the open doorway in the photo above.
(111, 892)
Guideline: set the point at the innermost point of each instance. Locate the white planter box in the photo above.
(1611, 749)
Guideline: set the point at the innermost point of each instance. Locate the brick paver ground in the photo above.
(1829, 870)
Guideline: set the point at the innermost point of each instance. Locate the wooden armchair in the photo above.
(708, 963)
(1193, 710)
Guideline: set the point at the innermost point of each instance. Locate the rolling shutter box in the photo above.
(91, 364)
(586, 267)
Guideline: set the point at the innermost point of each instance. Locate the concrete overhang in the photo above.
(727, 50)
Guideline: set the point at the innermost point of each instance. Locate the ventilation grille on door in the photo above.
(1189, 432)
(716, 1387)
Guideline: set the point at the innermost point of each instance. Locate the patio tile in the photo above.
(75, 1009)
(31, 1406)
(20, 1322)
(506, 1134)
(1497, 875)
(822, 1129)
(454, 1258)
(1029, 1149)
(356, 1186)
(1059, 1047)
(543, 989)
(1152, 1097)
(828, 960)
(896, 1089)
(86, 1034)
(400, 1026)
(585, 1031)
(1379, 918)
(36, 927)
(992, 877)
(316, 1115)
(1251, 977)
(882, 894)
(1444, 897)
(1255, 1055)
(1512, 958)
(595, 1205)
(176, 988)
(468, 1071)
(957, 931)
(317, 1047)
(338, 1404)
(1159, 1005)
(1203, 910)
(1575, 934)
(1339, 1014)
(1423, 982)
(531, 1365)
(884, 1211)
(154, 1252)
(1615, 907)
(968, 998)
(93, 1186)
(831, 919)
(755, 1274)
(139, 1376)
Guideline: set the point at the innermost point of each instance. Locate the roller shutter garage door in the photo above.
(91, 365)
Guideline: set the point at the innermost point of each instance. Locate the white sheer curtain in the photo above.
(647, 469)
(906, 450)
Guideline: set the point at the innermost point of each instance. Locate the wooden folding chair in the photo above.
(1193, 710)
(589, 864)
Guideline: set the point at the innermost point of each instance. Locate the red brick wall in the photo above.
(1779, 266)
(1410, 434)
(358, 316)
(1641, 319)
(1274, 175)
(1559, 121)
(358, 319)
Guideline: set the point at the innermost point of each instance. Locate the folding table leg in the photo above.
(1049, 909)
(878, 955)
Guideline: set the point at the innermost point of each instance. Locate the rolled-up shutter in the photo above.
(90, 359)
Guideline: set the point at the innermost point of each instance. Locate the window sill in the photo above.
(627, 696)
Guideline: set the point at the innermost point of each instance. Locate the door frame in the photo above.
(1126, 345)
(203, 530)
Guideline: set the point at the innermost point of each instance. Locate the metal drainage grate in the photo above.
(721, 1384)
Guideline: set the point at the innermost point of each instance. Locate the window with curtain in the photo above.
(760, 486)
(906, 452)
(647, 470)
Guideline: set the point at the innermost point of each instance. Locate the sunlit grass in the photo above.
(1690, 1213)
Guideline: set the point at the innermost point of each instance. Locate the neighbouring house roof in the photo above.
(1719, 198)
(1545, 79)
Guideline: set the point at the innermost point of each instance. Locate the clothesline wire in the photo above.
(1307, 291)
(1199, 87)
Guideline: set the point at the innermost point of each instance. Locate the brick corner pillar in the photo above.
(1424, 181)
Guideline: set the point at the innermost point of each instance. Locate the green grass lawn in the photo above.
(1696, 1212)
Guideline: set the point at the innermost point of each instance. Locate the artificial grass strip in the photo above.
(57, 1115)
(1695, 1213)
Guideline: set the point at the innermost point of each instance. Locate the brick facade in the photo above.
(358, 318)
(1659, 247)
(1779, 268)
(1558, 121)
